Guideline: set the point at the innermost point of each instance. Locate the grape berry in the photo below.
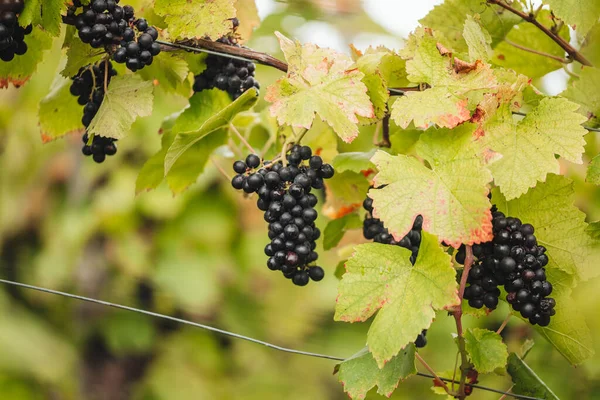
(88, 86)
(12, 35)
(224, 73)
(513, 259)
(104, 23)
(284, 194)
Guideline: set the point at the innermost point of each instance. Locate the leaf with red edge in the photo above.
(451, 195)
(319, 81)
(380, 279)
(456, 86)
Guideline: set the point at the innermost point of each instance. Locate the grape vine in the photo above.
(469, 121)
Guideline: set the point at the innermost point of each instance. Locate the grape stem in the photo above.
(385, 140)
(220, 169)
(539, 53)
(296, 139)
(242, 139)
(504, 323)
(571, 51)
(465, 365)
(432, 372)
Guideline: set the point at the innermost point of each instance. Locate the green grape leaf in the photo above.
(153, 172)
(380, 68)
(451, 195)
(523, 153)
(559, 225)
(478, 40)
(353, 161)
(335, 229)
(247, 13)
(170, 71)
(590, 48)
(381, 277)
(526, 381)
(79, 54)
(127, 98)
(319, 81)
(448, 19)
(209, 112)
(593, 172)
(188, 167)
(46, 13)
(448, 101)
(529, 36)
(568, 331)
(485, 349)
(585, 91)
(196, 19)
(19, 70)
(581, 14)
(349, 187)
(58, 112)
(360, 373)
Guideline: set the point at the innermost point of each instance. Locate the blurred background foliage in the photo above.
(69, 224)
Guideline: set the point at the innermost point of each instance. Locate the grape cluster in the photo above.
(224, 73)
(12, 35)
(103, 23)
(284, 194)
(513, 259)
(373, 229)
(88, 86)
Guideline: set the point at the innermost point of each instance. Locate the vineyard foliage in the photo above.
(441, 129)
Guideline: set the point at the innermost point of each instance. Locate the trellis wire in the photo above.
(232, 334)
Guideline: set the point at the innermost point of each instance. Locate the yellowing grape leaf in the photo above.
(528, 147)
(59, 111)
(127, 98)
(196, 19)
(585, 91)
(360, 373)
(453, 89)
(382, 68)
(381, 278)
(19, 70)
(581, 14)
(529, 36)
(448, 19)
(451, 195)
(478, 40)
(319, 81)
(247, 14)
(559, 225)
(485, 349)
